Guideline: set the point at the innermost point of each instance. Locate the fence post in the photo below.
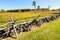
(12, 22)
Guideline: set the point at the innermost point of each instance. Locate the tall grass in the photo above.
(50, 31)
(5, 16)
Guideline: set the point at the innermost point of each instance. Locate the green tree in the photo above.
(48, 7)
(38, 7)
(2, 10)
(34, 4)
(19, 10)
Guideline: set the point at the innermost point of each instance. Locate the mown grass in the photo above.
(50, 31)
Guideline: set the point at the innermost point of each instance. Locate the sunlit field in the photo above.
(29, 20)
(21, 17)
(5, 16)
(48, 31)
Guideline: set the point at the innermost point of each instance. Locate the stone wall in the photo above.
(8, 32)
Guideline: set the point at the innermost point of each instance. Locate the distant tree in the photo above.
(48, 7)
(38, 7)
(34, 4)
(44, 9)
(2, 10)
(19, 10)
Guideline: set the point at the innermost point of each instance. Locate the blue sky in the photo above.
(21, 4)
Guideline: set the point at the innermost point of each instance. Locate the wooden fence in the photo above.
(25, 27)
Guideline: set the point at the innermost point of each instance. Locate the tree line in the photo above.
(23, 10)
